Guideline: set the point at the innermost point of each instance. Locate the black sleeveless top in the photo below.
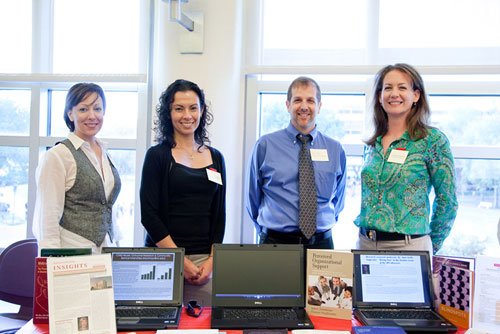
(191, 198)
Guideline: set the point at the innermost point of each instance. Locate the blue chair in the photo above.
(17, 280)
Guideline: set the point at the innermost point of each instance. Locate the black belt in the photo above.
(296, 237)
(376, 235)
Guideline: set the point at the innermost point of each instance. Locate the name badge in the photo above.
(398, 156)
(214, 176)
(319, 154)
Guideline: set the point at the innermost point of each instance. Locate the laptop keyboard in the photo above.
(260, 314)
(146, 312)
(400, 314)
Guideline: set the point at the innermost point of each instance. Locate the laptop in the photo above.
(148, 285)
(394, 288)
(259, 286)
(58, 252)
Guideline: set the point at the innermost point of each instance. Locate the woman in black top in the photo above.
(183, 185)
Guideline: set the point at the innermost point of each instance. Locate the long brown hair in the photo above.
(417, 120)
(163, 125)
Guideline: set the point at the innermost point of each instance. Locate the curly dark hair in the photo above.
(418, 119)
(76, 94)
(163, 125)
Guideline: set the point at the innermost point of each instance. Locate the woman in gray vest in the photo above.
(77, 183)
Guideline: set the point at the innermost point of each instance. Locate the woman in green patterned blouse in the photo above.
(403, 160)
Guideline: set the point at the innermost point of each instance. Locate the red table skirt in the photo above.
(203, 322)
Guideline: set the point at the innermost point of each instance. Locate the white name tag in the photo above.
(398, 156)
(319, 154)
(214, 176)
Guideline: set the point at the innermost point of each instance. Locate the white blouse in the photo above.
(55, 175)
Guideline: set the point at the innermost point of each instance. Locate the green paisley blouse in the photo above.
(395, 197)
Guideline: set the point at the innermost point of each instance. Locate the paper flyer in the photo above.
(487, 294)
(80, 291)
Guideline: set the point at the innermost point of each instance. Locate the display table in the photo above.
(203, 322)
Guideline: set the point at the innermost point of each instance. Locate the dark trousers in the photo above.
(321, 240)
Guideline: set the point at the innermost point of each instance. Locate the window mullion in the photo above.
(372, 31)
(34, 140)
(42, 36)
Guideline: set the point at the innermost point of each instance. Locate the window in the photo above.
(286, 41)
(470, 120)
(466, 24)
(342, 45)
(13, 193)
(367, 32)
(473, 122)
(15, 105)
(114, 39)
(73, 41)
(15, 17)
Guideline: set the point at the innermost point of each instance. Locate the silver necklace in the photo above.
(190, 155)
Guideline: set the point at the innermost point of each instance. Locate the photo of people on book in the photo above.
(329, 291)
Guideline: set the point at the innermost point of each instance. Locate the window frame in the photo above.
(369, 55)
(41, 79)
(254, 86)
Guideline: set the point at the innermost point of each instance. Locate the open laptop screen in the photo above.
(392, 279)
(258, 276)
(147, 276)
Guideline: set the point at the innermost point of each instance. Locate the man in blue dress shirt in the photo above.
(273, 181)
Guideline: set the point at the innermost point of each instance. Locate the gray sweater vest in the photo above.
(86, 210)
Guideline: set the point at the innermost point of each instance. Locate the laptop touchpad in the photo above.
(128, 320)
(405, 322)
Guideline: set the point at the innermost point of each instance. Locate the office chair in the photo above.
(17, 277)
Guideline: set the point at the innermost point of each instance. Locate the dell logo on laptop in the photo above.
(258, 303)
(394, 304)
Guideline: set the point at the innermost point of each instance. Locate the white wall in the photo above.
(218, 71)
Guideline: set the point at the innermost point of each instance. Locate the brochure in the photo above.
(80, 291)
(453, 279)
(329, 283)
(486, 299)
(40, 298)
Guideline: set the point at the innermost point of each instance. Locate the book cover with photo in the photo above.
(453, 279)
(329, 283)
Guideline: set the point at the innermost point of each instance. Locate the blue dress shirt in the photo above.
(273, 181)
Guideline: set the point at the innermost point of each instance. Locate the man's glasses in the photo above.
(193, 309)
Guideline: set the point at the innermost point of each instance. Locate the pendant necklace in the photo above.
(190, 155)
